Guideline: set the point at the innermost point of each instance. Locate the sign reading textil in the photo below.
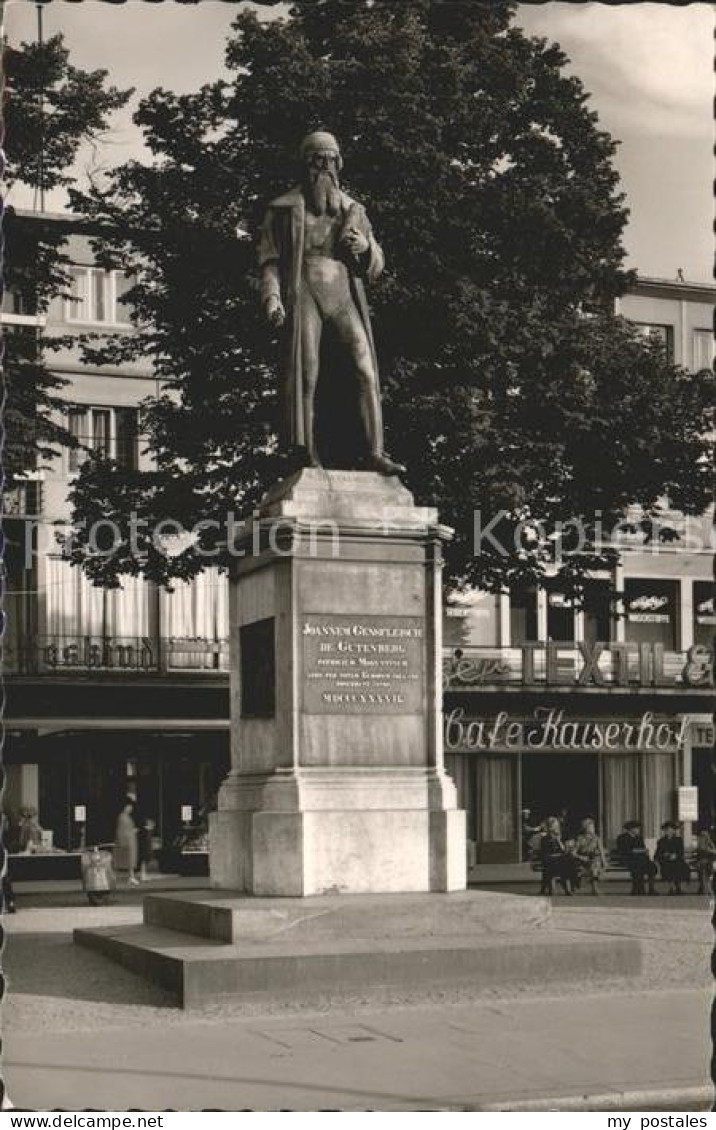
(579, 664)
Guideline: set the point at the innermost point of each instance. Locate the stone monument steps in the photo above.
(222, 918)
(291, 967)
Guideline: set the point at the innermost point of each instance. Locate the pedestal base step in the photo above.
(224, 916)
(312, 958)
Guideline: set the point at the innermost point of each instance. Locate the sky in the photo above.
(648, 67)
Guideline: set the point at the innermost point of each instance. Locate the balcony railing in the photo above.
(627, 666)
(555, 665)
(63, 654)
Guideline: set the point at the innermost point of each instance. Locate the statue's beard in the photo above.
(323, 193)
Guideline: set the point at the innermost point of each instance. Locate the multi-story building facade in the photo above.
(117, 691)
(109, 692)
(603, 710)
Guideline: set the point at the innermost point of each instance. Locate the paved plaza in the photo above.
(83, 1032)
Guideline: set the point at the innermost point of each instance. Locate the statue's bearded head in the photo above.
(322, 164)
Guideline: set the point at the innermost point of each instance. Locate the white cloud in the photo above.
(648, 65)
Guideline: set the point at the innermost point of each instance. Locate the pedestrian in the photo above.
(634, 855)
(705, 858)
(590, 854)
(126, 856)
(557, 863)
(146, 847)
(30, 831)
(670, 856)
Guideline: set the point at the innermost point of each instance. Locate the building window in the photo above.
(523, 615)
(560, 617)
(75, 608)
(704, 618)
(110, 433)
(661, 333)
(126, 438)
(19, 304)
(471, 620)
(95, 296)
(597, 612)
(651, 611)
(703, 349)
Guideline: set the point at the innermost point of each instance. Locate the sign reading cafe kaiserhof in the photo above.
(362, 664)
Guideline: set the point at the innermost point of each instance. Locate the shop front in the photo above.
(577, 728)
(561, 763)
(77, 781)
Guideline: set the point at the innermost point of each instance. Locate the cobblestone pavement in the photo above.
(55, 985)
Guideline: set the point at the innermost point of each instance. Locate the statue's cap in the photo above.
(318, 141)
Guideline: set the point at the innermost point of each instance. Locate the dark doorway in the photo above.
(703, 775)
(557, 783)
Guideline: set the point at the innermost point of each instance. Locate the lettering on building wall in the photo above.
(649, 610)
(363, 664)
(551, 729)
(99, 652)
(580, 664)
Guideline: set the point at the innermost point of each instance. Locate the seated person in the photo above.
(590, 853)
(669, 855)
(557, 862)
(633, 853)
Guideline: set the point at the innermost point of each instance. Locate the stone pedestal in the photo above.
(337, 781)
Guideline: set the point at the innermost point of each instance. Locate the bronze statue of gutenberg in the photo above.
(316, 249)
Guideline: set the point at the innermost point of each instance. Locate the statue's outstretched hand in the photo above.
(275, 312)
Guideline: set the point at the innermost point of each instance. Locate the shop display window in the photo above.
(651, 610)
(704, 618)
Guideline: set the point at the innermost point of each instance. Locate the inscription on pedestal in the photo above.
(363, 664)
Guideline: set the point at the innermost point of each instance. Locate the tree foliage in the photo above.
(509, 385)
(50, 109)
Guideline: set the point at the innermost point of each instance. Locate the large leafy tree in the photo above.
(50, 109)
(509, 385)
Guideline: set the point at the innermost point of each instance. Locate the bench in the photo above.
(616, 863)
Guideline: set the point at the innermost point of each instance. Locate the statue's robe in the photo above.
(281, 270)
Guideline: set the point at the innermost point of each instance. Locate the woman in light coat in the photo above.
(126, 853)
(590, 853)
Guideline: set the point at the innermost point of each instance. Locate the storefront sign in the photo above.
(93, 652)
(699, 668)
(551, 730)
(363, 664)
(705, 611)
(648, 610)
(579, 664)
(688, 802)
